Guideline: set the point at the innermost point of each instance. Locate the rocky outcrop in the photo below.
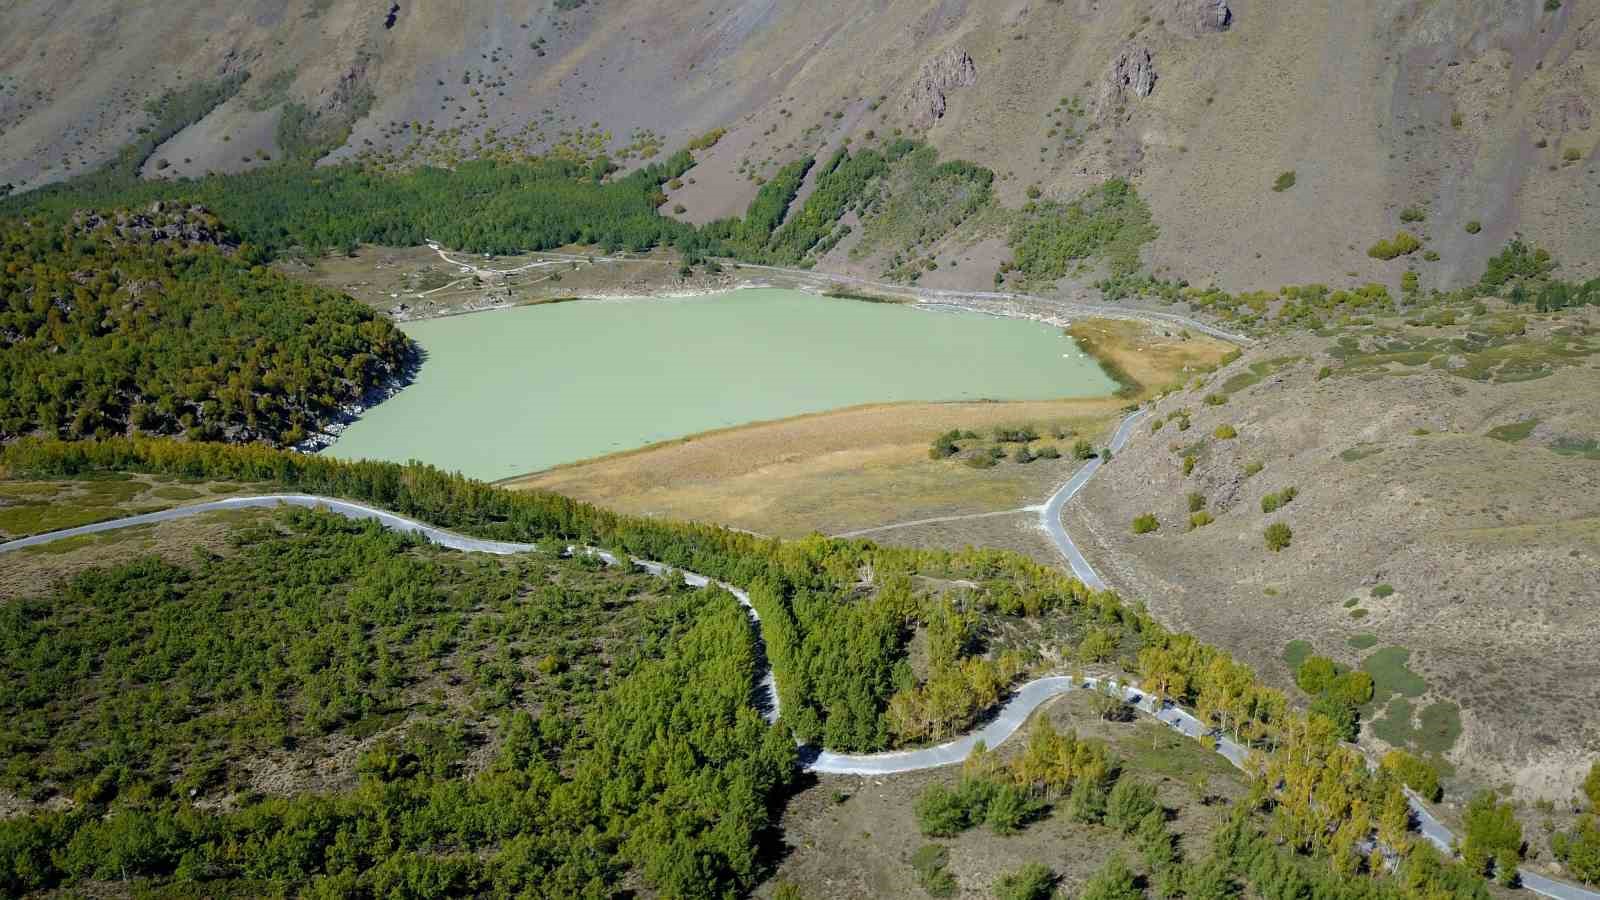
(1133, 71)
(925, 101)
(159, 223)
(1193, 18)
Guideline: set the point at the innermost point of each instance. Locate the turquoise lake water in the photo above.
(512, 391)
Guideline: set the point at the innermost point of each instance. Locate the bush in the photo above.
(1276, 501)
(1225, 433)
(1414, 773)
(929, 862)
(1049, 451)
(981, 461)
(1082, 450)
(1474, 227)
(1033, 881)
(1130, 801)
(1404, 244)
(1022, 454)
(1412, 214)
(1200, 520)
(942, 812)
(1009, 810)
(1114, 881)
(1188, 464)
(1216, 399)
(1278, 536)
(1146, 523)
(1591, 786)
(1197, 502)
(1579, 849)
(1284, 182)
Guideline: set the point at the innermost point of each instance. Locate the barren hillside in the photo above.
(1478, 110)
(1440, 486)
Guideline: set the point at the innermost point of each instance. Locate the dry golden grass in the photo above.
(864, 466)
(829, 472)
(1148, 358)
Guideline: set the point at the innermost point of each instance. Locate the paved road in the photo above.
(1050, 515)
(936, 520)
(1005, 722)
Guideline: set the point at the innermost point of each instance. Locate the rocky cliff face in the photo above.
(1133, 71)
(925, 101)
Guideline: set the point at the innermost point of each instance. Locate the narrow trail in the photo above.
(1005, 722)
(936, 520)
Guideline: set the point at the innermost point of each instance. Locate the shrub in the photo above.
(1049, 451)
(1033, 881)
(1146, 523)
(1197, 502)
(981, 461)
(1413, 772)
(1200, 520)
(1591, 786)
(1382, 591)
(1474, 227)
(1225, 433)
(1579, 849)
(1316, 674)
(1216, 399)
(1009, 810)
(1082, 450)
(1114, 881)
(1022, 454)
(1188, 464)
(929, 862)
(1253, 467)
(1130, 801)
(1278, 536)
(1572, 154)
(942, 812)
(1412, 214)
(1274, 502)
(1284, 182)
(1404, 244)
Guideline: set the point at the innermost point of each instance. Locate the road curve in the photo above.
(1050, 515)
(1004, 723)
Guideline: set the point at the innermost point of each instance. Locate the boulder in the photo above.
(925, 100)
(1196, 17)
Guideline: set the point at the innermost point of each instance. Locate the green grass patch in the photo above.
(1584, 449)
(1394, 726)
(175, 492)
(1514, 432)
(37, 518)
(1439, 727)
(1355, 454)
(1390, 674)
(1363, 641)
(1297, 652)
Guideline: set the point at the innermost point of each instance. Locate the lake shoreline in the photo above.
(580, 381)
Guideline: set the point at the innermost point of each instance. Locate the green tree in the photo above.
(1130, 801)
(1579, 848)
(1492, 834)
(1113, 881)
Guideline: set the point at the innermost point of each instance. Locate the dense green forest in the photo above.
(106, 330)
(547, 724)
(688, 717)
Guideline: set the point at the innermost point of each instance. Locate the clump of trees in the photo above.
(1404, 244)
(104, 334)
(1110, 223)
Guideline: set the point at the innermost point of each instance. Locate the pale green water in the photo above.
(517, 390)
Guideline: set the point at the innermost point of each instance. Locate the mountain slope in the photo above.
(1438, 106)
